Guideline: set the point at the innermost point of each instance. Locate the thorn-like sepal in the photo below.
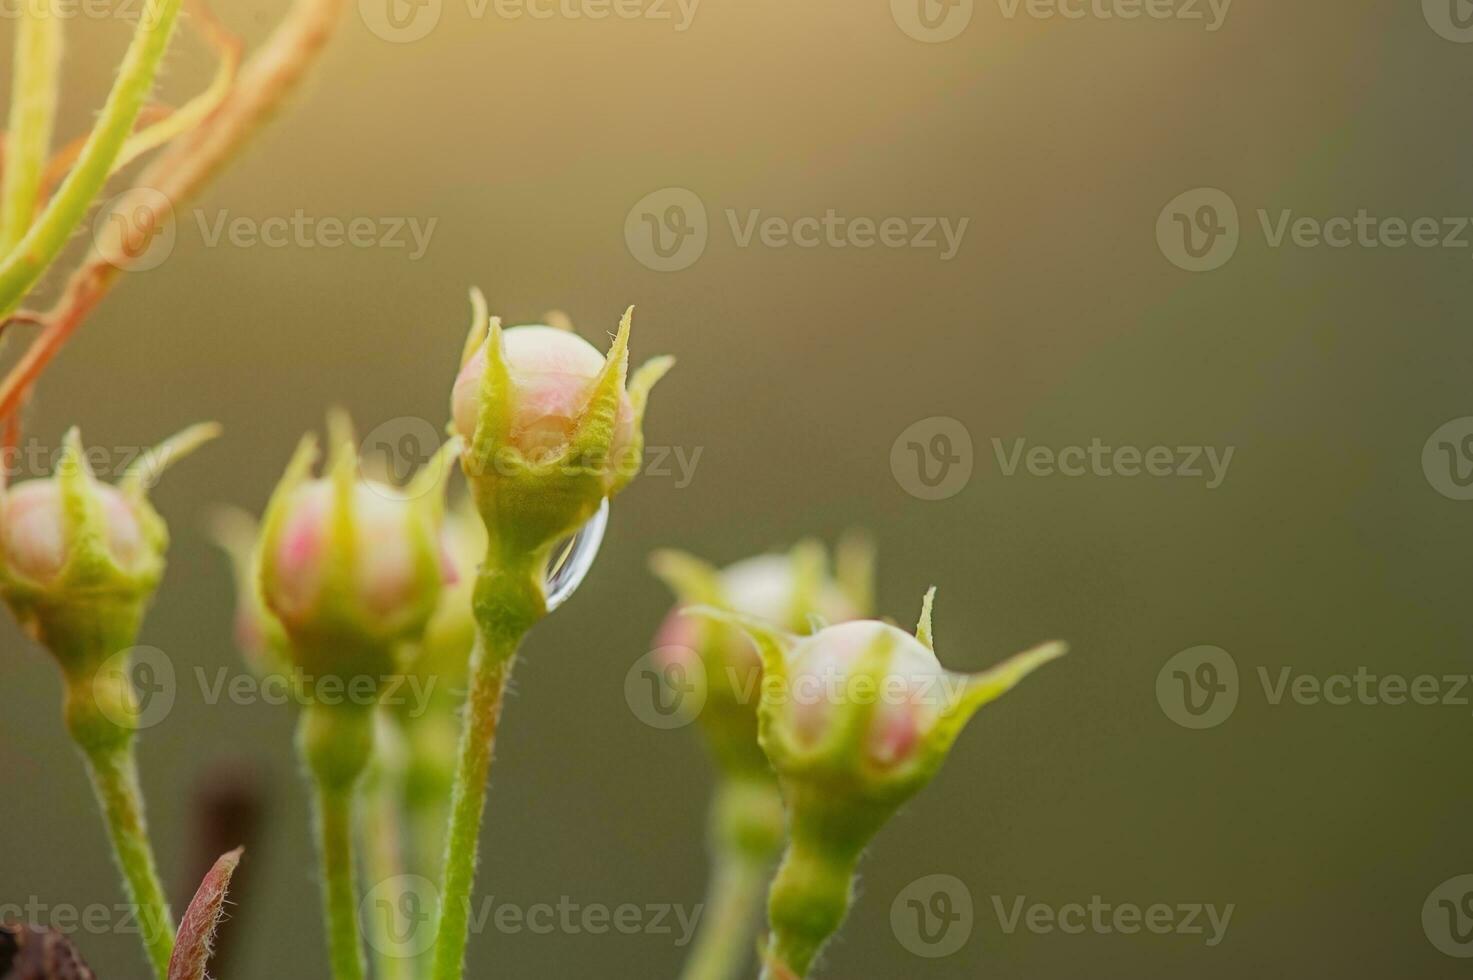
(553, 428)
(351, 568)
(79, 559)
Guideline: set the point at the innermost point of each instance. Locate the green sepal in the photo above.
(693, 580)
(93, 606)
(529, 504)
(337, 637)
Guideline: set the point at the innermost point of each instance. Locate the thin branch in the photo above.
(43, 242)
(184, 167)
(35, 84)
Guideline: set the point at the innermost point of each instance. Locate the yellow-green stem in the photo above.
(382, 832)
(33, 97)
(339, 883)
(462, 844)
(508, 600)
(336, 744)
(23, 265)
(746, 836)
(115, 779)
(808, 902)
(729, 919)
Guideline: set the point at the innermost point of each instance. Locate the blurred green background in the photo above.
(1059, 321)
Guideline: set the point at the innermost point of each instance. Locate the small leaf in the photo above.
(196, 936)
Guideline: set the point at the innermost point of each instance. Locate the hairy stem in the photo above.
(746, 836)
(339, 882)
(115, 779)
(24, 265)
(381, 829)
(729, 919)
(336, 743)
(508, 600)
(490, 671)
(809, 900)
(34, 87)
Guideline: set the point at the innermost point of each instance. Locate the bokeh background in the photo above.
(1327, 547)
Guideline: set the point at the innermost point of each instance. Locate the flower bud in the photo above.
(351, 570)
(855, 719)
(551, 427)
(793, 592)
(79, 560)
(867, 705)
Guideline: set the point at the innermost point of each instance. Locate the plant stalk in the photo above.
(339, 881)
(746, 836)
(34, 89)
(508, 600)
(729, 920)
(114, 774)
(489, 674)
(43, 241)
(336, 742)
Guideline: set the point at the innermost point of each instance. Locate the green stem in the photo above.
(34, 85)
(508, 600)
(729, 918)
(746, 836)
(809, 900)
(114, 775)
(336, 743)
(468, 803)
(381, 830)
(44, 240)
(339, 884)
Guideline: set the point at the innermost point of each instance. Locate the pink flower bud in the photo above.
(34, 532)
(552, 375)
(352, 569)
(386, 573)
(910, 695)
